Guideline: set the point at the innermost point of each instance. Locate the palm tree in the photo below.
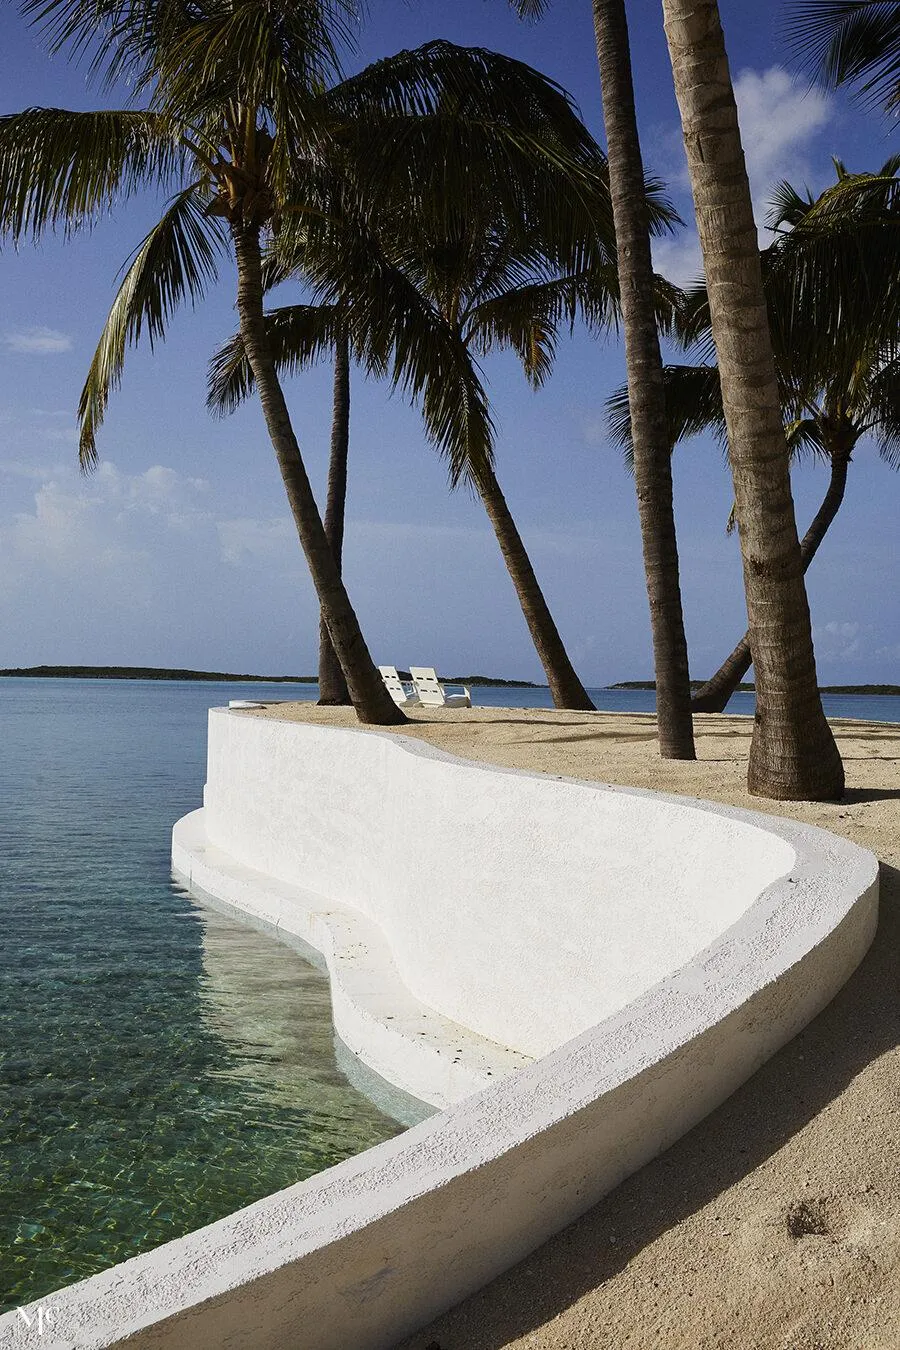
(332, 685)
(239, 109)
(300, 336)
(231, 90)
(652, 460)
(828, 431)
(481, 316)
(495, 290)
(826, 408)
(845, 41)
(494, 281)
(793, 753)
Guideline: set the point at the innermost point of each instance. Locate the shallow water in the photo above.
(161, 1063)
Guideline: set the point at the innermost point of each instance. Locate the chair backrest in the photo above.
(427, 685)
(393, 683)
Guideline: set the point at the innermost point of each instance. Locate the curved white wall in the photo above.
(364, 1253)
(522, 907)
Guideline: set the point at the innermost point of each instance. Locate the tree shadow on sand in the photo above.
(857, 1027)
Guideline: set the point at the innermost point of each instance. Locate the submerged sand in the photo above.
(774, 1224)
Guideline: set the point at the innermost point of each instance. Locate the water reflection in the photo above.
(161, 1065)
(270, 1002)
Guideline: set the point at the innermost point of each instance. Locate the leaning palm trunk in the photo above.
(714, 695)
(332, 685)
(566, 689)
(646, 395)
(793, 754)
(370, 698)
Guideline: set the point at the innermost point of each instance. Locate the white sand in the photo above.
(775, 1224)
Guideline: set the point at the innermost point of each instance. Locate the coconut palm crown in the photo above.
(851, 41)
(243, 99)
(834, 392)
(496, 277)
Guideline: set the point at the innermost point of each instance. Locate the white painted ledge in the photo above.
(405, 1041)
(760, 922)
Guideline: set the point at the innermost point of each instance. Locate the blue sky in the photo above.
(179, 551)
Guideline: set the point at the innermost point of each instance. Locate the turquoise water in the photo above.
(161, 1063)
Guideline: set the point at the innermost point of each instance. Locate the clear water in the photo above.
(161, 1063)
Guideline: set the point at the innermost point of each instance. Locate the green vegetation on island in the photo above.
(220, 676)
(490, 680)
(148, 673)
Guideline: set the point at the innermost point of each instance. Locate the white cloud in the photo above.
(779, 119)
(37, 341)
(679, 258)
(246, 540)
(90, 524)
(838, 640)
(779, 116)
(17, 468)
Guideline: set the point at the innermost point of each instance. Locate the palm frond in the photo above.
(842, 41)
(530, 9)
(832, 285)
(176, 262)
(63, 169)
(883, 412)
(270, 59)
(527, 318)
(462, 134)
(804, 438)
(299, 336)
(389, 318)
(525, 321)
(118, 39)
(693, 405)
(787, 206)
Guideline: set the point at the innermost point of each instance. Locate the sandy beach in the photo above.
(775, 1224)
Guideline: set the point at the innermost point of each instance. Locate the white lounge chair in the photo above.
(396, 688)
(432, 693)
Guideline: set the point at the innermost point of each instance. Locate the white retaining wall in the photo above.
(524, 907)
(357, 1257)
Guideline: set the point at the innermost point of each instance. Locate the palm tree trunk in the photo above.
(332, 685)
(370, 698)
(646, 394)
(566, 689)
(713, 696)
(793, 754)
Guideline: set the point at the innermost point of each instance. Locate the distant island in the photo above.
(488, 679)
(148, 673)
(217, 676)
(751, 688)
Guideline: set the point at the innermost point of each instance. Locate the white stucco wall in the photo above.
(523, 907)
(367, 1251)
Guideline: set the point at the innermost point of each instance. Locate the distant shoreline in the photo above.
(751, 688)
(213, 676)
(224, 676)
